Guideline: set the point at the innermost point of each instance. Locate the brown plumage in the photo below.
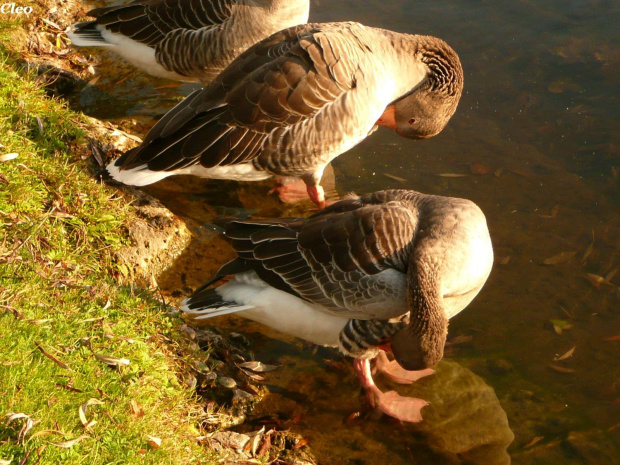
(296, 100)
(367, 273)
(188, 40)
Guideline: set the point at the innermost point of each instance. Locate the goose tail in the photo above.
(87, 34)
(207, 303)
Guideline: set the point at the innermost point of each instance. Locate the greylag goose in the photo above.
(292, 103)
(186, 40)
(382, 271)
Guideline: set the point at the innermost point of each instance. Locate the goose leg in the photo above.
(290, 192)
(390, 403)
(396, 373)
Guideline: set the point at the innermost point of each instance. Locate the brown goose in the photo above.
(186, 40)
(293, 102)
(366, 273)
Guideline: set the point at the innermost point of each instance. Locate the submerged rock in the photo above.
(464, 419)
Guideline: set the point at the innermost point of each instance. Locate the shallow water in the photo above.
(539, 121)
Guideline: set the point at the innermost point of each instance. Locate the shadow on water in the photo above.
(535, 144)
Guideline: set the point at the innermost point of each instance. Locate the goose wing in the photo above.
(272, 88)
(148, 22)
(351, 262)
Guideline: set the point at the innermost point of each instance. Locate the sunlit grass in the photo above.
(62, 313)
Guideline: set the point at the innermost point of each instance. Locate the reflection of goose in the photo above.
(187, 40)
(295, 101)
(386, 269)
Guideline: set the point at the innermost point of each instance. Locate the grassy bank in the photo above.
(88, 368)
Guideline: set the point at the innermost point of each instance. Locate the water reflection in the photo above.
(536, 138)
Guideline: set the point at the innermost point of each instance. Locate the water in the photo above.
(539, 117)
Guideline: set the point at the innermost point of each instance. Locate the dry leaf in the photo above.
(154, 442)
(60, 363)
(69, 444)
(93, 81)
(596, 280)
(301, 443)
(27, 426)
(452, 175)
(561, 369)
(536, 440)
(498, 172)
(255, 438)
(505, 260)
(588, 250)
(566, 355)
(9, 156)
(45, 432)
(395, 178)
(111, 361)
(559, 258)
(612, 338)
(40, 124)
(136, 409)
(560, 325)
(258, 367)
(82, 412)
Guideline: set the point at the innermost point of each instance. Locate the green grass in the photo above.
(59, 230)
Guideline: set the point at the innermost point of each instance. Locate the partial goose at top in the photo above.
(292, 103)
(186, 40)
(382, 271)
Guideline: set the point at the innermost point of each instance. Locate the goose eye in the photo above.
(412, 121)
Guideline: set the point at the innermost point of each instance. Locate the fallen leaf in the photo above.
(258, 367)
(82, 412)
(60, 363)
(588, 251)
(536, 440)
(27, 426)
(111, 361)
(153, 441)
(9, 156)
(252, 376)
(498, 172)
(561, 369)
(612, 338)
(596, 280)
(504, 261)
(72, 442)
(136, 409)
(40, 124)
(452, 175)
(255, 438)
(395, 178)
(560, 325)
(560, 258)
(301, 443)
(93, 81)
(566, 355)
(45, 432)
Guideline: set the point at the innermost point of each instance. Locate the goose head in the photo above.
(426, 109)
(416, 350)
(420, 344)
(423, 113)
